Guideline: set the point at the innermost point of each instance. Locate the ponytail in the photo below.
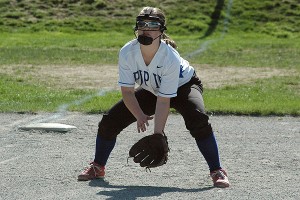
(168, 40)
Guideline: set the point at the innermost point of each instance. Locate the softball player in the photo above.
(165, 81)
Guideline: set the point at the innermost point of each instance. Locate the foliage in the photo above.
(278, 18)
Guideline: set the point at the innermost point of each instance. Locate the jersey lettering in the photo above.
(139, 75)
(146, 77)
(181, 71)
(157, 79)
(143, 77)
(136, 75)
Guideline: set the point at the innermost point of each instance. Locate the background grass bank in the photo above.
(219, 33)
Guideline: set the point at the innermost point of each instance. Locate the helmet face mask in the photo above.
(150, 20)
(150, 25)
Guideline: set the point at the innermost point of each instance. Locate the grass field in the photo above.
(73, 33)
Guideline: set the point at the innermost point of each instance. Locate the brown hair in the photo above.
(156, 12)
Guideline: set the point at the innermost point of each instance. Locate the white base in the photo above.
(57, 127)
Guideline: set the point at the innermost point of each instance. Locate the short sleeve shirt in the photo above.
(166, 72)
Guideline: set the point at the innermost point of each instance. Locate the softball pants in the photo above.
(188, 102)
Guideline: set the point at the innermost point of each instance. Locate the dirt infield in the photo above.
(106, 76)
(261, 155)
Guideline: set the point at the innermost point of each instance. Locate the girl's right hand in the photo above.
(142, 122)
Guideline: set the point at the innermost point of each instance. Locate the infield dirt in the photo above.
(106, 76)
(260, 154)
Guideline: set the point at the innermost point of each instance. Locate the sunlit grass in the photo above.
(278, 96)
(19, 96)
(274, 96)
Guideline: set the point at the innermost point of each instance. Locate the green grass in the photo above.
(19, 96)
(60, 48)
(247, 49)
(250, 49)
(77, 32)
(278, 18)
(275, 96)
(236, 49)
(99, 103)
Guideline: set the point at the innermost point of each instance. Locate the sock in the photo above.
(209, 149)
(103, 150)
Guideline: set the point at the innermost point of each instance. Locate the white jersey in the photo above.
(166, 72)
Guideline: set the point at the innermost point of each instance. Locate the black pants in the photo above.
(188, 102)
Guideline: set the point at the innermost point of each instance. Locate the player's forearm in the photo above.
(161, 114)
(132, 103)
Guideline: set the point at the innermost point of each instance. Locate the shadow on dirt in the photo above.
(133, 192)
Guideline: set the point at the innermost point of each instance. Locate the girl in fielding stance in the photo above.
(165, 81)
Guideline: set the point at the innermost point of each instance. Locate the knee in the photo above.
(108, 128)
(201, 132)
(199, 126)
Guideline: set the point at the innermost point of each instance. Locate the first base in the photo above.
(56, 127)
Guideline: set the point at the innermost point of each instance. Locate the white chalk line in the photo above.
(62, 109)
(204, 46)
(9, 160)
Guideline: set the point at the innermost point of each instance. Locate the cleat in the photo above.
(94, 171)
(220, 178)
